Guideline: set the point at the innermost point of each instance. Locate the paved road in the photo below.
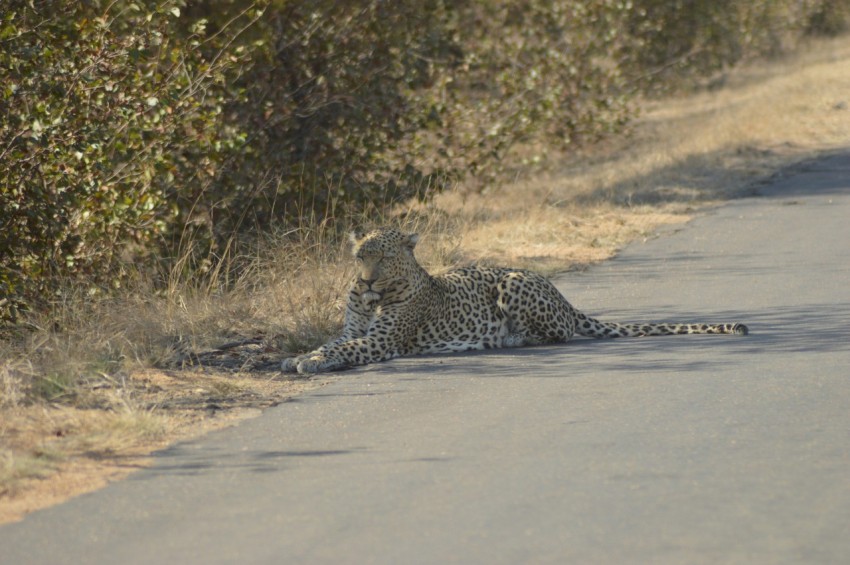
(691, 449)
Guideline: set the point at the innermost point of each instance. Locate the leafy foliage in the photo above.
(333, 93)
(680, 40)
(107, 111)
(361, 104)
(535, 71)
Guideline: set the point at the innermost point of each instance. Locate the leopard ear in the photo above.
(357, 234)
(354, 238)
(411, 240)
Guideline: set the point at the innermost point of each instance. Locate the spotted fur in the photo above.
(395, 308)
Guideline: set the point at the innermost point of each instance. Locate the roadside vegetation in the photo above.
(176, 180)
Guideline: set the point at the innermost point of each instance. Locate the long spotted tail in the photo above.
(591, 327)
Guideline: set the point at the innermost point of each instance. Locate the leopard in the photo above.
(395, 308)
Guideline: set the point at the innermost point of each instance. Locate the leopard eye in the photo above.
(362, 258)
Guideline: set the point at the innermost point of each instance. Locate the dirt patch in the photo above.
(50, 453)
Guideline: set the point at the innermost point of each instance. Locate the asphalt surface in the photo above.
(684, 449)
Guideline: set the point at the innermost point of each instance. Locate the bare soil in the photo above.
(53, 453)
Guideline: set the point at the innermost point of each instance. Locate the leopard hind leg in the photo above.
(537, 313)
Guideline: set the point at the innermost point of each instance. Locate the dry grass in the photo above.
(683, 153)
(100, 382)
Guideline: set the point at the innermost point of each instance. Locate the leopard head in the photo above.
(385, 262)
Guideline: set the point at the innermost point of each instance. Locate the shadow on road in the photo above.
(695, 178)
(187, 460)
(820, 176)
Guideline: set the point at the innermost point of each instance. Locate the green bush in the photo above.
(357, 105)
(677, 41)
(538, 71)
(828, 17)
(107, 110)
(333, 92)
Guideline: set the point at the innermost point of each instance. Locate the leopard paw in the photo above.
(311, 365)
(290, 365)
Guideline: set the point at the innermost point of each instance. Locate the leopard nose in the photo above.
(367, 282)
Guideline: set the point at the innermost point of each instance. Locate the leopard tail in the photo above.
(591, 327)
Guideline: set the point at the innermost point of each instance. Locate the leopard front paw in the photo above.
(311, 365)
(290, 365)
